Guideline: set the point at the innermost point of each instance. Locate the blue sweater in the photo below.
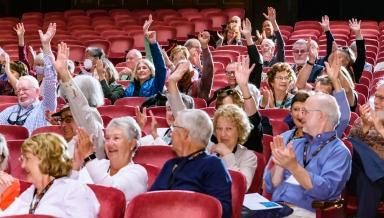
(204, 173)
(154, 84)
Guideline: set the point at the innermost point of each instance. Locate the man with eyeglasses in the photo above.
(315, 167)
(30, 111)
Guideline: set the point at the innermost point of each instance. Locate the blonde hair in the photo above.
(179, 49)
(239, 119)
(51, 149)
(235, 28)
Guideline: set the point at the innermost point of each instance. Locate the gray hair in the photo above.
(39, 56)
(299, 42)
(32, 80)
(146, 62)
(4, 153)
(129, 126)
(198, 123)
(110, 69)
(189, 43)
(187, 101)
(91, 89)
(328, 104)
(95, 52)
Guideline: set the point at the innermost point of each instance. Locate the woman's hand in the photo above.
(221, 149)
(6, 180)
(141, 117)
(61, 64)
(84, 143)
(154, 125)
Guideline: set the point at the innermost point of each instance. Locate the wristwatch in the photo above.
(310, 63)
(89, 158)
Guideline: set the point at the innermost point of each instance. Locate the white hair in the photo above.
(299, 42)
(91, 89)
(328, 104)
(40, 57)
(32, 80)
(198, 123)
(129, 126)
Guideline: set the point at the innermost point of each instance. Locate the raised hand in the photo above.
(204, 38)
(243, 70)
(267, 97)
(324, 23)
(311, 51)
(100, 70)
(180, 70)
(283, 156)
(246, 29)
(151, 36)
(147, 24)
(334, 70)
(271, 14)
(141, 117)
(19, 29)
(84, 143)
(50, 119)
(354, 25)
(220, 35)
(154, 125)
(366, 117)
(47, 36)
(61, 64)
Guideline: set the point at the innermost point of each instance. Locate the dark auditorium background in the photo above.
(289, 11)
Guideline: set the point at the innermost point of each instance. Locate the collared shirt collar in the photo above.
(320, 137)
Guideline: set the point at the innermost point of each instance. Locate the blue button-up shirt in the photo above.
(329, 170)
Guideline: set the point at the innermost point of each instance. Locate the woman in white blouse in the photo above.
(44, 157)
(121, 142)
(231, 128)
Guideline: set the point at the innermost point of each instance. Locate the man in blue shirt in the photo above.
(194, 169)
(315, 167)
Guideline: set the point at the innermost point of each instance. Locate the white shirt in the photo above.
(131, 179)
(149, 140)
(65, 198)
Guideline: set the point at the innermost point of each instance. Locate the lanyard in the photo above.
(178, 166)
(316, 152)
(34, 204)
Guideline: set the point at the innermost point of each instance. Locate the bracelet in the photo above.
(247, 98)
(310, 63)
(89, 158)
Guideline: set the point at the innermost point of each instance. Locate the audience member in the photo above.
(118, 171)
(231, 127)
(315, 167)
(194, 169)
(83, 94)
(30, 111)
(44, 158)
(108, 75)
(231, 36)
(131, 59)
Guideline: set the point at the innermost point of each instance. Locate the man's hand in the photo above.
(324, 23)
(204, 38)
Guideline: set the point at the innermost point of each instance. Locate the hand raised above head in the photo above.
(271, 16)
(47, 36)
(204, 38)
(324, 23)
(354, 25)
(246, 28)
(19, 29)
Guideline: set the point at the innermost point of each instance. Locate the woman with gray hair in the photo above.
(119, 171)
(107, 75)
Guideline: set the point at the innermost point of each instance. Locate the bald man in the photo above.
(132, 57)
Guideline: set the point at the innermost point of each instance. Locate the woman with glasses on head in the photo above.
(118, 171)
(280, 79)
(47, 165)
(231, 127)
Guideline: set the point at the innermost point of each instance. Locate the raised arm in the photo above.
(7, 68)
(280, 54)
(158, 61)
(325, 25)
(205, 83)
(174, 96)
(19, 29)
(253, 53)
(242, 73)
(305, 72)
(358, 66)
(147, 24)
(50, 75)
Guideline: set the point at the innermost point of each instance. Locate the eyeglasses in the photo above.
(230, 73)
(283, 78)
(67, 119)
(226, 92)
(306, 111)
(298, 51)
